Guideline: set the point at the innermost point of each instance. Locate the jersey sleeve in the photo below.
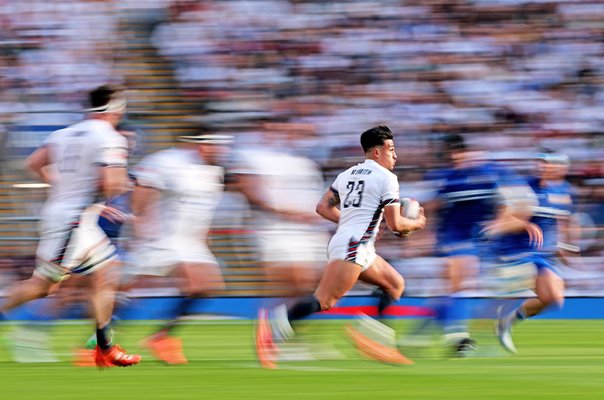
(391, 191)
(149, 173)
(49, 140)
(334, 187)
(113, 151)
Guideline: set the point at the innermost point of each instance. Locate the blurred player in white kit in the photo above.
(177, 191)
(82, 163)
(282, 189)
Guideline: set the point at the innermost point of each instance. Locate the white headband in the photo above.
(115, 105)
(207, 139)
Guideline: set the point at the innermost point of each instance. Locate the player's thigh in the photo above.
(293, 273)
(459, 268)
(107, 277)
(382, 274)
(549, 286)
(338, 278)
(199, 278)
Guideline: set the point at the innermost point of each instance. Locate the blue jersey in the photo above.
(469, 198)
(555, 202)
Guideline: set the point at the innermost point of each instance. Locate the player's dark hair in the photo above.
(102, 95)
(454, 142)
(375, 137)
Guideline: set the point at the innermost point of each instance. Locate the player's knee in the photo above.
(327, 302)
(552, 300)
(395, 287)
(41, 290)
(399, 287)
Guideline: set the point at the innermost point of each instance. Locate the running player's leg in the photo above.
(104, 283)
(455, 312)
(375, 339)
(391, 283)
(25, 291)
(339, 277)
(197, 280)
(549, 287)
(91, 252)
(54, 242)
(550, 293)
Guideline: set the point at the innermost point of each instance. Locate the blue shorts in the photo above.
(546, 261)
(541, 261)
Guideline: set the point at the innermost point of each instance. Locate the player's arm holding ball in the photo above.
(404, 217)
(405, 220)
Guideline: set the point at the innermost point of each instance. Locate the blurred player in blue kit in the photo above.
(467, 198)
(515, 248)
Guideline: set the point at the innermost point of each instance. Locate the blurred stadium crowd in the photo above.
(512, 76)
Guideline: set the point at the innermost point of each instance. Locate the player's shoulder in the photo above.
(100, 132)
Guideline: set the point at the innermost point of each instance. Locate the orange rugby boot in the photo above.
(84, 358)
(265, 348)
(166, 348)
(375, 350)
(115, 356)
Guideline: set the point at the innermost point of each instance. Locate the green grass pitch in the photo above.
(558, 360)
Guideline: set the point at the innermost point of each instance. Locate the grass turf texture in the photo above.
(558, 360)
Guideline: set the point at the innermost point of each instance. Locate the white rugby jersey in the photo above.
(288, 182)
(76, 155)
(364, 191)
(190, 193)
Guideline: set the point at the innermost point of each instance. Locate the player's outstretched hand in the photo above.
(113, 214)
(535, 235)
(300, 217)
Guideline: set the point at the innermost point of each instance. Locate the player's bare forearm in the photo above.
(328, 206)
(399, 224)
(114, 181)
(507, 221)
(510, 222)
(332, 214)
(38, 163)
(249, 186)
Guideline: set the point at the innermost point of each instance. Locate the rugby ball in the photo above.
(409, 208)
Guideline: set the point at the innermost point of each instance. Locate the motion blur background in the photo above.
(512, 76)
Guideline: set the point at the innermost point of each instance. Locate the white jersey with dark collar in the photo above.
(364, 191)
